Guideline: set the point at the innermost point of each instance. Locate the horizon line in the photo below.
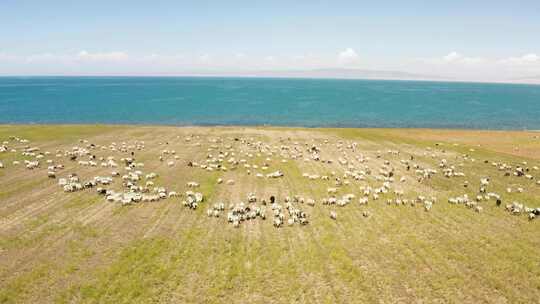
(442, 80)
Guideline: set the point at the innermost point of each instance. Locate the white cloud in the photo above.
(44, 58)
(110, 56)
(454, 58)
(64, 58)
(530, 58)
(7, 57)
(205, 59)
(240, 55)
(522, 60)
(472, 60)
(453, 64)
(348, 56)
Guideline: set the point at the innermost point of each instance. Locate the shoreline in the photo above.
(84, 124)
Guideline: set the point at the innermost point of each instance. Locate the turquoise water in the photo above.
(259, 101)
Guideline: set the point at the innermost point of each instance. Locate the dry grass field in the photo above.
(78, 247)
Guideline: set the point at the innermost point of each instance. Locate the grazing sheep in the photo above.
(363, 200)
(193, 184)
(151, 175)
(355, 169)
(515, 208)
(275, 174)
(252, 198)
(484, 182)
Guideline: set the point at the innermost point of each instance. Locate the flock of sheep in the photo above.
(353, 177)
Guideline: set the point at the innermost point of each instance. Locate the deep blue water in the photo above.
(259, 101)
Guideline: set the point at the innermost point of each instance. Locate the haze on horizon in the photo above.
(459, 40)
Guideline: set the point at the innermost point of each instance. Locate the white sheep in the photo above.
(193, 184)
(363, 200)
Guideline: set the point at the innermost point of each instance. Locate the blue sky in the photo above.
(463, 39)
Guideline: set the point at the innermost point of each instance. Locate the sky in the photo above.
(465, 40)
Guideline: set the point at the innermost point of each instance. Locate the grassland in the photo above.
(58, 247)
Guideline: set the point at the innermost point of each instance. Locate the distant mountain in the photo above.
(529, 77)
(353, 74)
(340, 73)
(527, 80)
